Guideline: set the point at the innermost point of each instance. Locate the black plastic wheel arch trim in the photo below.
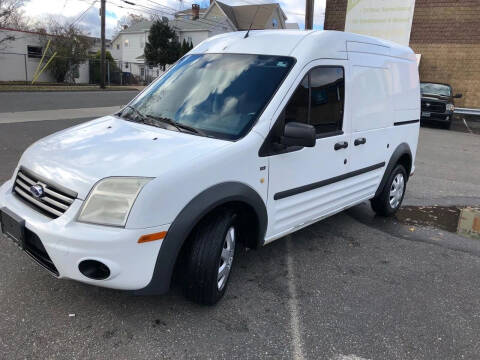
(401, 150)
(186, 220)
(316, 185)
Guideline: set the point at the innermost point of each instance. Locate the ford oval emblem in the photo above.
(37, 191)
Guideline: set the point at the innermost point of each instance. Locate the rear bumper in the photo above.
(68, 242)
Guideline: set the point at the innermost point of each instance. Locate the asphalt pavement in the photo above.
(353, 286)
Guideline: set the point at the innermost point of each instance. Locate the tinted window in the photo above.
(220, 94)
(34, 51)
(297, 108)
(327, 88)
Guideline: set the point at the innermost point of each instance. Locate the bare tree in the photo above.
(71, 46)
(11, 16)
(129, 20)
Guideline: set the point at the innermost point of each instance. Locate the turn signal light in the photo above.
(152, 237)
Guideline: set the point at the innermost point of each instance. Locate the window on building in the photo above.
(142, 71)
(118, 46)
(125, 43)
(318, 100)
(34, 51)
(189, 40)
(274, 22)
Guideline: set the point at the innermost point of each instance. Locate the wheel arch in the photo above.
(210, 200)
(401, 155)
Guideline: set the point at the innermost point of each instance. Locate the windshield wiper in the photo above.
(178, 126)
(152, 120)
(139, 114)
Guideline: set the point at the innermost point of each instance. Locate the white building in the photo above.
(21, 52)
(194, 25)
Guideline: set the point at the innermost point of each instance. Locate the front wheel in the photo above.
(390, 199)
(211, 258)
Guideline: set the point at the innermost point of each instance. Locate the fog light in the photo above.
(94, 269)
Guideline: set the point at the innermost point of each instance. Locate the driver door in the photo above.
(306, 184)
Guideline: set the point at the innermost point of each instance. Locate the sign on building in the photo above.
(386, 19)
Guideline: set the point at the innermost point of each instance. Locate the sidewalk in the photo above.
(52, 88)
(59, 114)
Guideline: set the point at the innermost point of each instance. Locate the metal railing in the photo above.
(466, 111)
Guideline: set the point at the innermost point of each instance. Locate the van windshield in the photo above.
(220, 95)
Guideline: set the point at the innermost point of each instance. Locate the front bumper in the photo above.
(441, 117)
(68, 242)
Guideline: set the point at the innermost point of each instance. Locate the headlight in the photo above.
(111, 199)
(450, 107)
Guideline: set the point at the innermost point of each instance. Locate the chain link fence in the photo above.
(21, 68)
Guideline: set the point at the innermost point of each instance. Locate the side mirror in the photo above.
(299, 134)
(458, 96)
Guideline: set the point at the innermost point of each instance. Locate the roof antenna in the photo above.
(254, 16)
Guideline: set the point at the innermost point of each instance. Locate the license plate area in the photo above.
(425, 114)
(13, 226)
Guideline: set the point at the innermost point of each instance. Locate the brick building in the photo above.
(447, 34)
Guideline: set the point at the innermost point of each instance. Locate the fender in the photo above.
(186, 220)
(401, 150)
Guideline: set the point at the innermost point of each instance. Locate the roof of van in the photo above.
(301, 44)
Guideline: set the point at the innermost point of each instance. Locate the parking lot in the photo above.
(353, 286)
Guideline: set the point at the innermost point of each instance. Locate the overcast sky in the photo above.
(69, 10)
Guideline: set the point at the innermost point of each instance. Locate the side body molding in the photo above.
(402, 149)
(186, 220)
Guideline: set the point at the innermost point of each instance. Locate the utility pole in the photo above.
(309, 14)
(102, 57)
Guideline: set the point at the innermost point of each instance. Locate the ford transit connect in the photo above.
(244, 140)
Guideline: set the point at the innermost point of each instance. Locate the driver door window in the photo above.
(319, 100)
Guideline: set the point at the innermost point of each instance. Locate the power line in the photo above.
(206, 21)
(155, 11)
(83, 13)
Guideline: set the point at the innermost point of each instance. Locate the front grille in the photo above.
(34, 247)
(55, 200)
(434, 106)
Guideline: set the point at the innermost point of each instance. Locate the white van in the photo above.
(244, 140)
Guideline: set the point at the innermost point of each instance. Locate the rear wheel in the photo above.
(390, 199)
(211, 258)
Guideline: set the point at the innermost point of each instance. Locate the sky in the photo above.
(68, 11)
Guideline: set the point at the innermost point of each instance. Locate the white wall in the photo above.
(134, 49)
(14, 59)
(13, 55)
(196, 36)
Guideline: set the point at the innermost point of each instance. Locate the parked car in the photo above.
(244, 140)
(437, 103)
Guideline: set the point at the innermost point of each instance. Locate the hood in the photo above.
(78, 157)
(434, 97)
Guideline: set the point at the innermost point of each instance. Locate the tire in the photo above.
(390, 199)
(212, 249)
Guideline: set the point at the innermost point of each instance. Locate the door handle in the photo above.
(360, 141)
(341, 145)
